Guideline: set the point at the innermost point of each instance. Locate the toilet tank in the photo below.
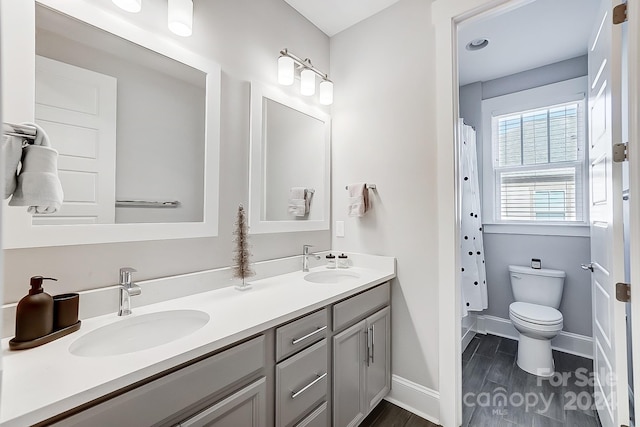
(537, 286)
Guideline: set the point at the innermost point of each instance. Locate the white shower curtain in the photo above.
(474, 278)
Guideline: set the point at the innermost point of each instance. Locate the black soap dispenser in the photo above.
(34, 314)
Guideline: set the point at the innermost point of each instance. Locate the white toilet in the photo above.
(535, 315)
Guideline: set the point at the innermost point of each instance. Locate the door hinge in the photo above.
(620, 152)
(623, 292)
(620, 13)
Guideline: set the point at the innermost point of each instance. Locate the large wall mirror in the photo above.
(290, 163)
(135, 120)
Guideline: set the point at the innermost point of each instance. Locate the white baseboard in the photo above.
(566, 342)
(468, 334)
(415, 398)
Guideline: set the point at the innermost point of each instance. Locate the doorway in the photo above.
(445, 18)
(523, 85)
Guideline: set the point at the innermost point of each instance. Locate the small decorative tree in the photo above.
(242, 268)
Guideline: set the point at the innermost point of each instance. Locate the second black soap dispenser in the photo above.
(34, 314)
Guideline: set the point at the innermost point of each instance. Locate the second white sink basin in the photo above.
(136, 333)
(330, 276)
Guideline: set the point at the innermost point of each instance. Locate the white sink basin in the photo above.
(137, 333)
(331, 276)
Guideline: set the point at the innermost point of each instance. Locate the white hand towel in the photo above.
(11, 153)
(358, 199)
(298, 204)
(38, 183)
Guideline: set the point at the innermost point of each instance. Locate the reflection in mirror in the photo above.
(128, 122)
(290, 148)
(177, 131)
(294, 157)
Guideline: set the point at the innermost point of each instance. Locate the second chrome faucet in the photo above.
(128, 289)
(305, 257)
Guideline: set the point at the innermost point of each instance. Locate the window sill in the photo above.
(569, 230)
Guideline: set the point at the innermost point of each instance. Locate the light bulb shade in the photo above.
(133, 6)
(180, 17)
(307, 82)
(326, 93)
(286, 71)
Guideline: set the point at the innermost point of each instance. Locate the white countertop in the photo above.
(42, 382)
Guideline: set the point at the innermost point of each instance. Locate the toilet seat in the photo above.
(535, 314)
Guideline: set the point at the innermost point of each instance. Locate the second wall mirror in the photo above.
(290, 162)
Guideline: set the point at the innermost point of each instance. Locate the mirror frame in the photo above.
(257, 225)
(19, 68)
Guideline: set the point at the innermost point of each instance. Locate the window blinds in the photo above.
(538, 164)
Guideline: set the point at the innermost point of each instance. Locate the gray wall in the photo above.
(384, 133)
(557, 252)
(471, 112)
(244, 36)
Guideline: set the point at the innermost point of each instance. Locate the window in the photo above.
(538, 158)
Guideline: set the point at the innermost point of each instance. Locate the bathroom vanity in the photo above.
(288, 352)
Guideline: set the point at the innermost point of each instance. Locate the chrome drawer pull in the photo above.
(309, 335)
(295, 394)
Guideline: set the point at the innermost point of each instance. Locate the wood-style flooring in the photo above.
(489, 372)
(389, 415)
(496, 392)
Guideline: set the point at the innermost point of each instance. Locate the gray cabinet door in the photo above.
(246, 408)
(349, 354)
(378, 377)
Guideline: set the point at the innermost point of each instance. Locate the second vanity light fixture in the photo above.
(179, 16)
(286, 76)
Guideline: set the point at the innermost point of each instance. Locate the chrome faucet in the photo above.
(305, 257)
(128, 289)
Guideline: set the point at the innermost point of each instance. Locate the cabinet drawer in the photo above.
(301, 382)
(359, 306)
(317, 418)
(300, 334)
(156, 401)
(245, 408)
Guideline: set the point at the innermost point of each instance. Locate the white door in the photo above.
(77, 109)
(607, 246)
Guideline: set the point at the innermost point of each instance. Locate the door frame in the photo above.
(446, 16)
(633, 15)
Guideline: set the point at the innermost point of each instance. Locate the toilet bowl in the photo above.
(535, 315)
(536, 325)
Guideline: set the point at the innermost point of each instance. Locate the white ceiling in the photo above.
(536, 34)
(333, 16)
(539, 33)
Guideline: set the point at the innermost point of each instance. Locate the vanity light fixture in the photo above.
(286, 74)
(180, 17)
(307, 82)
(286, 71)
(133, 6)
(326, 92)
(179, 14)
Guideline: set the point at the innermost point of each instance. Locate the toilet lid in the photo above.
(535, 313)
